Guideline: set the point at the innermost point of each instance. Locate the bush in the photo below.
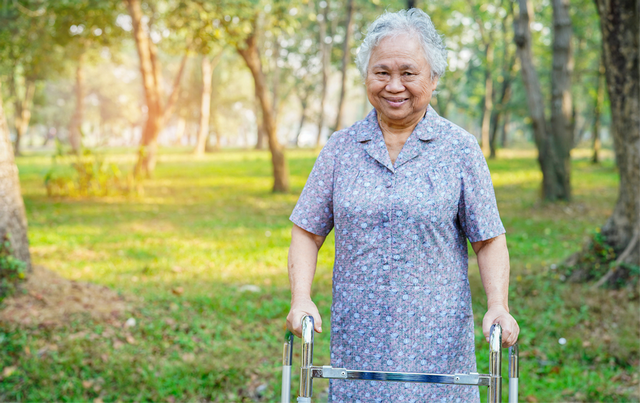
(12, 269)
(87, 174)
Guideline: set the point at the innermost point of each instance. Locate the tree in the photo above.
(597, 112)
(249, 52)
(345, 63)
(325, 55)
(81, 27)
(620, 40)
(28, 54)
(157, 110)
(13, 220)
(244, 22)
(207, 66)
(553, 141)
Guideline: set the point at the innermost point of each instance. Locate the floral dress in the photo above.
(401, 297)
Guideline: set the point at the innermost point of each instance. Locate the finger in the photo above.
(514, 336)
(318, 323)
(296, 324)
(506, 337)
(486, 328)
(511, 331)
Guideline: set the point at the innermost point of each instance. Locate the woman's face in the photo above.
(399, 81)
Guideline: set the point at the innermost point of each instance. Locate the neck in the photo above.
(401, 130)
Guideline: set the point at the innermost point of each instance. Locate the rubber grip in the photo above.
(513, 390)
(286, 384)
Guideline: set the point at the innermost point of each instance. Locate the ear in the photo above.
(434, 83)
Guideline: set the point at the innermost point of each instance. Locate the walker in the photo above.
(308, 371)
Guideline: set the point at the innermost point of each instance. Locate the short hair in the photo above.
(403, 22)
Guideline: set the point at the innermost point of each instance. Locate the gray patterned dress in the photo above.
(401, 298)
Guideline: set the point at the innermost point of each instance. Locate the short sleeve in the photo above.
(314, 210)
(477, 209)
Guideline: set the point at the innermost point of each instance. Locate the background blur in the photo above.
(161, 146)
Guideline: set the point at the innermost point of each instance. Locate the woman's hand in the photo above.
(300, 309)
(510, 328)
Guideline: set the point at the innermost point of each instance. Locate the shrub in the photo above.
(87, 174)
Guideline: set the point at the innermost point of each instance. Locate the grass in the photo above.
(212, 227)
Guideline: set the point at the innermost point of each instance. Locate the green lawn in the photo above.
(211, 226)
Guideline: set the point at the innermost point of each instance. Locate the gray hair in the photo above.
(405, 21)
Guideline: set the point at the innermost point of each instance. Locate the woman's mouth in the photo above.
(396, 102)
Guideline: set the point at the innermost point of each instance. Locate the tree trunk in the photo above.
(303, 115)
(22, 108)
(345, 64)
(488, 101)
(561, 100)
(215, 134)
(325, 53)
(275, 85)
(504, 138)
(75, 126)
(205, 105)
(620, 37)
(550, 164)
(152, 84)
(595, 158)
(509, 71)
(251, 56)
(13, 219)
(259, 123)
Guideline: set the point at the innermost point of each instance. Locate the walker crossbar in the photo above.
(308, 371)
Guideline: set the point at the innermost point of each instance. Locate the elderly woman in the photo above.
(404, 189)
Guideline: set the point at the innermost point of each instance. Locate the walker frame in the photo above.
(308, 371)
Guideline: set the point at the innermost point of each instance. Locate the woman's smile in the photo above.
(396, 102)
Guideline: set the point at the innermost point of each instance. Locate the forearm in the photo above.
(303, 257)
(493, 262)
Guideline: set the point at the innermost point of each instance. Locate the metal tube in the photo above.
(287, 358)
(495, 364)
(306, 380)
(328, 372)
(514, 373)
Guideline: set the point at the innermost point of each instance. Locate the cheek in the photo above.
(421, 92)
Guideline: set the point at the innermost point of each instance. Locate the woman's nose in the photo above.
(395, 84)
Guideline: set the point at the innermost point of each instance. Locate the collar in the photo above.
(425, 130)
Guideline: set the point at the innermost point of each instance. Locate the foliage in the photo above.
(12, 269)
(87, 174)
(202, 256)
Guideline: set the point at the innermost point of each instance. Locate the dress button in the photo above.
(389, 184)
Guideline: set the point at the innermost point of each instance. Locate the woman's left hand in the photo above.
(510, 328)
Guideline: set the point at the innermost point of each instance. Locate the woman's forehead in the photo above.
(398, 51)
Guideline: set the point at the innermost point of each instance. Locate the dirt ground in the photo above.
(46, 299)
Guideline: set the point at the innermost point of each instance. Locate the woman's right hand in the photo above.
(300, 309)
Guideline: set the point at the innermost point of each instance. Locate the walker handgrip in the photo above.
(306, 379)
(495, 364)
